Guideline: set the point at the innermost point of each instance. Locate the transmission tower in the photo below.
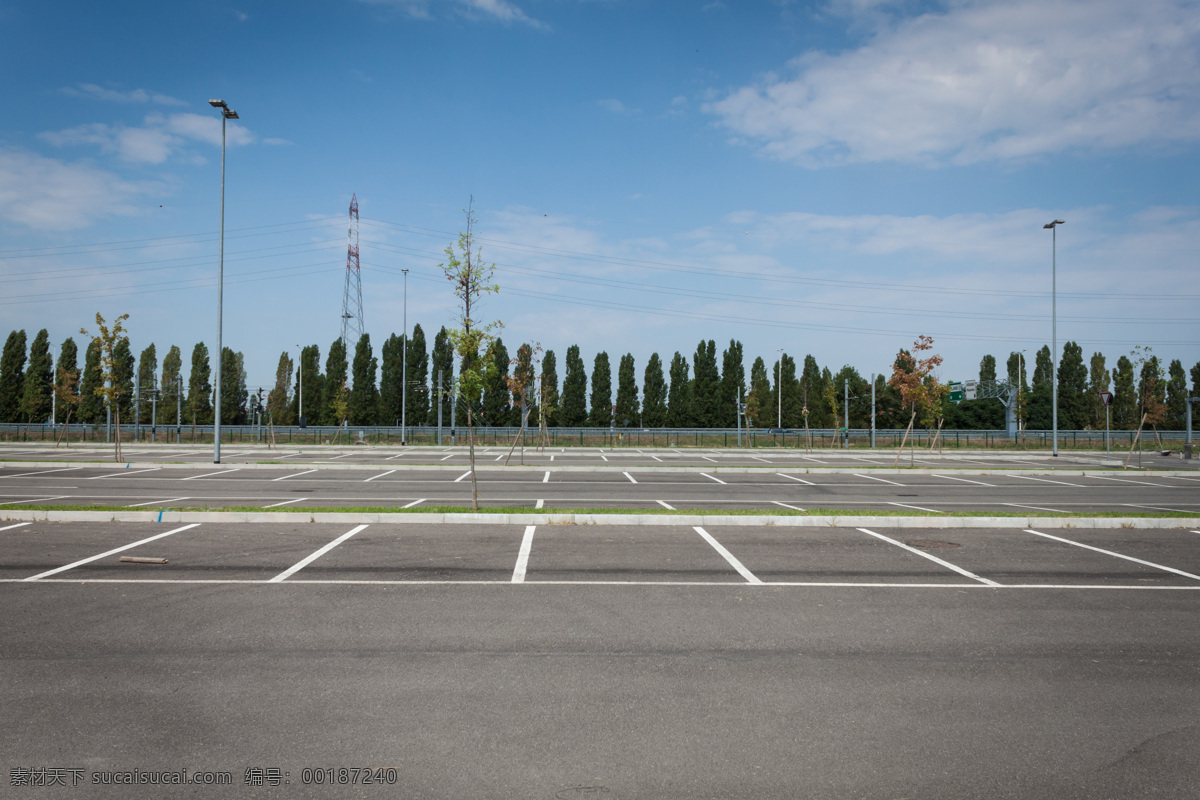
(352, 314)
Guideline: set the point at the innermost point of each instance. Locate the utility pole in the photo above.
(404, 369)
(1053, 226)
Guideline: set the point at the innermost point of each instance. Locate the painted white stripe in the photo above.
(380, 475)
(540, 504)
(18, 525)
(551, 459)
(604, 457)
(964, 480)
(670, 584)
(122, 474)
(285, 502)
(1126, 480)
(881, 480)
(794, 478)
(466, 474)
(627, 475)
(299, 565)
(1047, 480)
(918, 508)
(34, 500)
(447, 458)
(656, 458)
(105, 554)
(40, 472)
(728, 556)
(414, 503)
(810, 458)
(1115, 555)
(210, 474)
(295, 474)
(499, 457)
(523, 555)
(546, 477)
(785, 505)
(931, 557)
(709, 459)
(711, 478)
(158, 502)
(756, 458)
(398, 455)
(1035, 508)
(1160, 508)
(667, 506)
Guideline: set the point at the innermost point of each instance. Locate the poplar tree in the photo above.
(442, 362)
(497, 399)
(733, 385)
(522, 386)
(1125, 405)
(549, 388)
(706, 383)
(66, 384)
(1195, 372)
(91, 404)
(987, 368)
(124, 366)
(391, 379)
(601, 414)
(627, 393)
(1097, 382)
(277, 401)
(1073, 406)
(147, 382)
(12, 377)
(793, 396)
(109, 340)
(234, 393)
(654, 394)
(36, 395)
(812, 395)
(172, 368)
(758, 400)
(574, 391)
(417, 391)
(199, 399)
(310, 380)
(363, 403)
(334, 388)
(679, 395)
(1041, 394)
(1176, 396)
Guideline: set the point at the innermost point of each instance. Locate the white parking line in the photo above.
(398, 455)
(34, 500)
(810, 458)
(794, 478)
(881, 480)
(711, 478)
(964, 480)
(1160, 508)
(1126, 480)
(523, 555)
(285, 502)
(546, 477)
(448, 457)
(466, 474)
(756, 458)
(414, 503)
(18, 525)
(499, 457)
(540, 504)
(918, 508)
(932, 558)
(157, 502)
(785, 505)
(627, 475)
(656, 458)
(295, 474)
(380, 475)
(709, 459)
(209, 474)
(745, 573)
(122, 474)
(1116, 555)
(105, 554)
(1035, 508)
(667, 506)
(1047, 480)
(40, 472)
(301, 564)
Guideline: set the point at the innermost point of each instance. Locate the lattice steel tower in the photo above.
(352, 314)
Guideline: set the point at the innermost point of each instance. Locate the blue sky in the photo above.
(832, 177)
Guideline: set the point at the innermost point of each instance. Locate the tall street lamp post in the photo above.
(1053, 226)
(404, 369)
(227, 113)
(779, 388)
(300, 399)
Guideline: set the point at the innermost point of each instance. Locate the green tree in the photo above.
(1152, 389)
(147, 381)
(66, 384)
(391, 379)
(497, 400)
(679, 395)
(1074, 407)
(654, 389)
(733, 385)
(627, 393)
(792, 397)
(1176, 419)
(363, 402)
(199, 399)
(91, 403)
(706, 386)
(574, 391)
(758, 401)
(172, 368)
(549, 388)
(234, 394)
(1125, 405)
(1097, 383)
(1017, 377)
(987, 368)
(860, 397)
(812, 396)
(335, 384)
(277, 401)
(417, 397)
(1195, 372)
(442, 361)
(601, 413)
(111, 341)
(37, 394)
(306, 399)
(12, 377)
(1041, 395)
(522, 386)
(124, 368)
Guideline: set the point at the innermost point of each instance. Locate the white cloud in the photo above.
(115, 96)
(986, 80)
(501, 10)
(48, 194)
(160, 138)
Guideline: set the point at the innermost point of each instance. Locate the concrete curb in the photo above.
(788, 521)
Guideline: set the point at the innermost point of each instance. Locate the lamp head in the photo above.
(1056, 222)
